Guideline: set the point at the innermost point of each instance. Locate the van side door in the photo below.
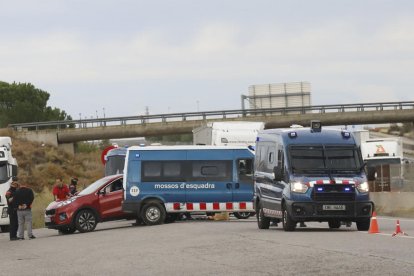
(243, 187)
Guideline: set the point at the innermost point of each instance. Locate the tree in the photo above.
(23, 103)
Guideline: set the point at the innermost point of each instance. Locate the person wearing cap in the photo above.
(12, 210)
(72, 186)
(60, 190)
(23, 198)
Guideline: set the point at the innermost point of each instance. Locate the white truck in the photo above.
(8, 170)
(383, 157)
(227, 133)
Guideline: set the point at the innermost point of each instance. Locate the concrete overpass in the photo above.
(65, 133)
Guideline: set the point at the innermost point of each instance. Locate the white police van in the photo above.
(310, 174)
(160, 182)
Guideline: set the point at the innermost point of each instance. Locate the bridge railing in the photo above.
(209, 115)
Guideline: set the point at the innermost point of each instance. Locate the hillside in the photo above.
(39, 165)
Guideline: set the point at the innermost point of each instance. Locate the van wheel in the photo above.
(334, 224)
(288, 223)
(262, 221)
(363, 224)
(85, 221)
(242, 215)
(153, 213)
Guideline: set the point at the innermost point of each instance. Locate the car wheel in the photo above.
(242, 215)
(363, 224)
(288, 223)
(153, 213)
(68, 230)
(334, 224)
(86, 221)
(262, 221)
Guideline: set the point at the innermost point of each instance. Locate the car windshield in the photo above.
(94, 186)
(316, 158)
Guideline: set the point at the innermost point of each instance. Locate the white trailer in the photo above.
(227, 133)
(8, 170)
(384, 157)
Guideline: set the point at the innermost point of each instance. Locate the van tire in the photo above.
(242, 215)
(334, 224)
(363, 224)
(288, 223)
(153, 213)
(262, 221)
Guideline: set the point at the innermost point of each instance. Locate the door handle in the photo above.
(237, 185)
(228, 185)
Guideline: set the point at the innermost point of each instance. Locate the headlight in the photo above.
(66, 202)
(298, 187)
(363, 187)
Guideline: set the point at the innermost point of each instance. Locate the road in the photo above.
(235, 247)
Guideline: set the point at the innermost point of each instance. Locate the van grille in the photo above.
(333, 192)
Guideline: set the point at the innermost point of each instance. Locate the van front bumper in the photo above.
(325, 211)
(131, 207)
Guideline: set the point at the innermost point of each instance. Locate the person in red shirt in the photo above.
(60, 190)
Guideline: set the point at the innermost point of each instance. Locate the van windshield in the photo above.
(316, 158)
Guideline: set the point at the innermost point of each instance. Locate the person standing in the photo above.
(12, 210)
(23, 198)
(60, 190)
(72, 187)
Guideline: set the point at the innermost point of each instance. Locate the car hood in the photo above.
(60, 203)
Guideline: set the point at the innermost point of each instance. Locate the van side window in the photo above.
(211, 171)
(162, 171)
(245, 167)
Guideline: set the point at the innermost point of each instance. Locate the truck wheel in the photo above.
(153, 213)
(85, 221)
(334, 224)
(242, 215)
(262, 221)
(5, 228)
(288, 223)
(363, 224)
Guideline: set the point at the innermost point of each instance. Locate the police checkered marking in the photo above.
(209, 206)
(275, 213)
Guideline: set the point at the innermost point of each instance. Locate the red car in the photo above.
(100, 201)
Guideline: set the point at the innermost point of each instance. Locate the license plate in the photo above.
(47, 219)
(333, 207)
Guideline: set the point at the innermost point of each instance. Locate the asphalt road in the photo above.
(236, 247)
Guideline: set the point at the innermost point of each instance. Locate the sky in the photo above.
(120, 56)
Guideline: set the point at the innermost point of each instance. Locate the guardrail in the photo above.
(205, 115)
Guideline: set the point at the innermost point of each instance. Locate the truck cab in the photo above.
(310, 174)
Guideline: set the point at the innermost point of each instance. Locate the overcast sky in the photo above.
(124, 55)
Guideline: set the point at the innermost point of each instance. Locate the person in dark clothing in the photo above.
(72, 187)
(23, 198)
(12, 210)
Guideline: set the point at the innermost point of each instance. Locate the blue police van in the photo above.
(310, 174)
(163, 181)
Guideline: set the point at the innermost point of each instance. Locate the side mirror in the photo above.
(371, 173)
(14, 170)
(278, 173)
